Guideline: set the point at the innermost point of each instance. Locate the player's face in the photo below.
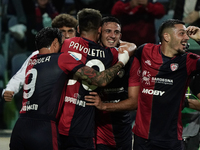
(110, 34)
(42, 3)
(179, 39)
(68, 32)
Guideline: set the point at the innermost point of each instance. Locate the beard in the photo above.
(180, 52)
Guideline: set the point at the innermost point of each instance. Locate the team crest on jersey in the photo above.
(174, 66)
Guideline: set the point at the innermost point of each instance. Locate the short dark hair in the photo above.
(46, 36)
(168, 24)
(64, 20)
(110, 19)
(89, 19)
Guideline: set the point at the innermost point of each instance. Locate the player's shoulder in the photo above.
(71, 39)
(148, 47)
(71, 55)
(192, 55)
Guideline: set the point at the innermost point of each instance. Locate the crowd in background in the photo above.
(23, 19)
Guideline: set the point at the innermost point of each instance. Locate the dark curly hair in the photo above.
(64, 20)
(46, 36)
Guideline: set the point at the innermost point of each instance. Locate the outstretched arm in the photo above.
(128, 104)
(103, 78)
(94, 77)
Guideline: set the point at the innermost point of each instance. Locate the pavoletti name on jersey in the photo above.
(39, 61)
(90, 52)
(153, 92)
(30, 107)
(75, 101)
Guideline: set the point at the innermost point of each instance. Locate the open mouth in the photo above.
(184, 44)
(111, 41)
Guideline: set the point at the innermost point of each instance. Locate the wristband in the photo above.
(123, 57)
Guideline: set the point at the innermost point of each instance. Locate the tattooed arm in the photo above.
(94, 77)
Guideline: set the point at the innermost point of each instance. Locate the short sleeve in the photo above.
(70, 62)
(135, 71)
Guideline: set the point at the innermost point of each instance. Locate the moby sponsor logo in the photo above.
(153, 92)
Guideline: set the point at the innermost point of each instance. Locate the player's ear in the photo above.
(166, 37)
(120, 36)
(78, 30)
(55, 43)
(99, 30)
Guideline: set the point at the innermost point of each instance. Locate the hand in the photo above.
(130, 47)
(94, 100)
(8, 95)
(194, 33)
(192, 17)
(143, 2)
(134, 3)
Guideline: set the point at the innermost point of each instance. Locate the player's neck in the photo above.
(90, 36)
(45, 50)
(167, 51)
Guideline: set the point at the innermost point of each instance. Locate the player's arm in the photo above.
(103, 78)
(193, 103)
(16, 82)
(94, 77)
(129, 104)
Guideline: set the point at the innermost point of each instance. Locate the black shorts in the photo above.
(106, 147)
(145, 144)
(33, 134)
(77, 143)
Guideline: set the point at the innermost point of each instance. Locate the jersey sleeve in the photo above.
(135, 71)
(65, 45)
(17, 81)
(134, 75)
(70, 62)
(193, 62)
(115, 55)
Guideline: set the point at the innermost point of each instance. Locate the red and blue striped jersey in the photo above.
(163, 82)
(46, 83)
(77, 119)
